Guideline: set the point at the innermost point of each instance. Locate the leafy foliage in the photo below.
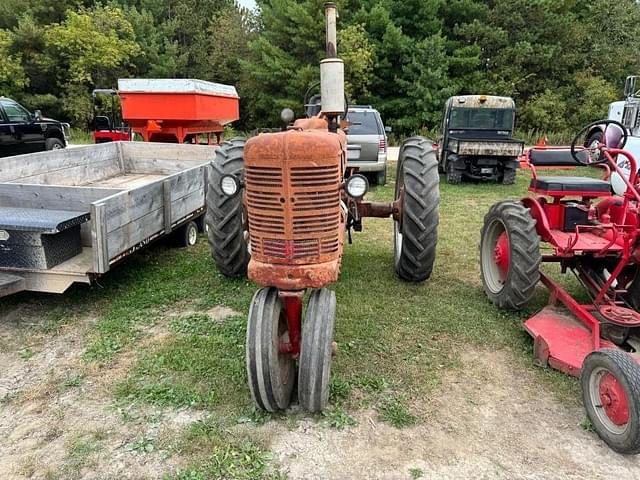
(562, 60)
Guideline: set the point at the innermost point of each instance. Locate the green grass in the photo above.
(395, 340)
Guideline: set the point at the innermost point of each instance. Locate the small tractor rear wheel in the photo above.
(509, 255)
(271, 374)
(610, 382)
(316, 350)
(454, 176)
(416, 233)
(225, 221)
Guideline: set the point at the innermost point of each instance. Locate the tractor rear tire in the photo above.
(316, 351)
(416, 234)
(610, 382)
(509, 255)
(271, 374)
(225, 214)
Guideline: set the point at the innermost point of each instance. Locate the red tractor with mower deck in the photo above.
(593, 231)
(278, 207)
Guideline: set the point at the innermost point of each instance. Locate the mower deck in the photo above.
(561, 340)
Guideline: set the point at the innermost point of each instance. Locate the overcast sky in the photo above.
(247, 3)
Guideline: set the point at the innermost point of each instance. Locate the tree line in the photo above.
(562, 60)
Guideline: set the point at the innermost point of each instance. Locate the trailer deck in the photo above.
(68, 216)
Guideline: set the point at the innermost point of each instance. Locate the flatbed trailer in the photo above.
(70, 215)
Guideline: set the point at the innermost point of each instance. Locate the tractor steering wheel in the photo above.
(594, 155)
(311, 102)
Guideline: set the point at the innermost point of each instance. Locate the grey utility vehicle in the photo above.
(477, 139)
(367, 142)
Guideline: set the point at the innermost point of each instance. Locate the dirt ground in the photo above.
(486, 420)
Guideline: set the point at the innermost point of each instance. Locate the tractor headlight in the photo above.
(229, 185)
(357, 185)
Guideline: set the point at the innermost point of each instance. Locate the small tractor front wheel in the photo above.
(316, 350)
(509, 255)
(271, 373)
(610, 382)
(226, 230)
(416, 231)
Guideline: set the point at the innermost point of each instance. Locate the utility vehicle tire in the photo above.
(509, 255)
(316, 350)
(271, 374)
(416, 234)
(610, 382)
(454, 176)
(224, 219)
(54, 144)
(509, 176)
(187, 235)
(381, 177)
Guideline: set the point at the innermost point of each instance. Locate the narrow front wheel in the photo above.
(271, 373)
(316, 350)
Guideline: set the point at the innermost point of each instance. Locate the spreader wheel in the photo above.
(316, 350)
(416, 234)
(611, 393)
(509, 255)
(271, 374)
(226, 229)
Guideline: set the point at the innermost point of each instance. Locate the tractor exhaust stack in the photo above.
(332, 69)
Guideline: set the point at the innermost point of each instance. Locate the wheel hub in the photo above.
(501, 255)
(614, 400)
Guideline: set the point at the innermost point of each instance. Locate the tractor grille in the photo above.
(294, 212)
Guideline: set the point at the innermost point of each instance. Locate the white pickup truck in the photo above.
(626, 112)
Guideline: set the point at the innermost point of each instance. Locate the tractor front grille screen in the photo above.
(294, 212)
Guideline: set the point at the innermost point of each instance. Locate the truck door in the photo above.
(7, 137)
(29, 134)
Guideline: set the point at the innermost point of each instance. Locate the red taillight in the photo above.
(382, 145)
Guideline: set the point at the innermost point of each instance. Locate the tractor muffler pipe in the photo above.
(332, 69)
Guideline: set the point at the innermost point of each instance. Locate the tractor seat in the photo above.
(570, 185)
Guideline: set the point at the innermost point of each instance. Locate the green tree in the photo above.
(12, 76)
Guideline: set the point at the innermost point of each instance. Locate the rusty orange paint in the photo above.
(292, 200)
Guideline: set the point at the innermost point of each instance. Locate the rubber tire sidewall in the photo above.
(316, 350)
(627, 372)
(418, 174)
(523, 274)
(52, 141)
(224, 215)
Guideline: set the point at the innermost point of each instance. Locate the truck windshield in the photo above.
(363, 123)
(481, 118)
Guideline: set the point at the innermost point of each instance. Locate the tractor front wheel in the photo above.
(316, 350)
(509, 255)
(226, 229)
(416, 231)
(610, 382)
(271, 373)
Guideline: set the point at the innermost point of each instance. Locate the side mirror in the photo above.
(388, 129)
(37, 115)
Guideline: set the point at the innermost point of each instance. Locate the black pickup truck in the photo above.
(24, 132)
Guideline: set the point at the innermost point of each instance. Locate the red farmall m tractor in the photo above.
(592, 230)
(278, 207)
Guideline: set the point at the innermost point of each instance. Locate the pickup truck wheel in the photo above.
(225, 220)
(54, 144)
(381, 177)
